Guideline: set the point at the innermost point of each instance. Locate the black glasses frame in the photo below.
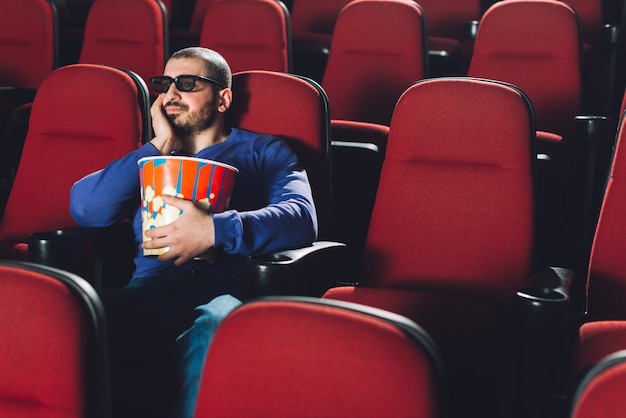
(162, 84)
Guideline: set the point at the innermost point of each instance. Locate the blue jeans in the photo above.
(194, 344)
(159, 329)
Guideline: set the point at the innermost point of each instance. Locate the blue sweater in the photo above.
(271, 206)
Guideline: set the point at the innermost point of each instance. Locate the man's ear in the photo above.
(225, 97)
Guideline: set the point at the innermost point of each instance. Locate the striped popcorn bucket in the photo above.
(208, 183)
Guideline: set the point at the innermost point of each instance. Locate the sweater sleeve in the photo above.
(288, 220)
(109, 195)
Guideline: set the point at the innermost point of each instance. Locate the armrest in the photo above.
(92, 253)
(543, 333)
(544, 305)
(470, 29)
(301, 271)
(590, 133)
(349, 131)
(592, 129)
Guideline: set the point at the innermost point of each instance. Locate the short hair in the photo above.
(217, 67)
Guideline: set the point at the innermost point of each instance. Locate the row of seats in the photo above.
(326, 358)
(455, 271)
(452, 239)
(454, 224)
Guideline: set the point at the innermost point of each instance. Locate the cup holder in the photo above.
(51, 248)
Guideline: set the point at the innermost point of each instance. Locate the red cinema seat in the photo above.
(132, 35)
(313, 358)
(259, 41)
(371, 63)
(451, 240)
(53, 349)
(83, 116)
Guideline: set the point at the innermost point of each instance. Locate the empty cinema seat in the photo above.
(261, 39)
(52, 352)
(546, 65)
(452, 236)
(132, 35)
(371, 63)
(29, 51)
(312, 358)
(83, 116)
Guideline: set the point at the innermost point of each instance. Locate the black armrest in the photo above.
(543, 332)
(470, 29)
(544, 305)
(99, 253)
(301, 271)
(591, 132)
(92, 253)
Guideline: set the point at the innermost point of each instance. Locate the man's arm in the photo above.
(108, 196)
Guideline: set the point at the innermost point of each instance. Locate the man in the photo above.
(172, 304)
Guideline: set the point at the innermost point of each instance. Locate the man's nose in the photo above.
(171, 93)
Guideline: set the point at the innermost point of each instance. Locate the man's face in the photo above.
(194, 111)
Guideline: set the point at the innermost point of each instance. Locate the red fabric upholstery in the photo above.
(596, 340)
(371, 63)
(373, 60)
(606, 281)
(52, 325)
(546, 65)
(590, 13)
(297, 358)
(28, 44)
(259, 41)
(465, 188)
(128, 34)
(83, 116)
(605, 329)
(452, 230)
(601, 392)
(301, 118)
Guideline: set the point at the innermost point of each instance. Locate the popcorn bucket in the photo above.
(209, 183)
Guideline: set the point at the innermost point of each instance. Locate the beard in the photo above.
(195, 122)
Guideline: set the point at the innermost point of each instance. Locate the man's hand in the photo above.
(191, 235)
(165, 139)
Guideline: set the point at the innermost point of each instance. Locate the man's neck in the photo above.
(196, 143)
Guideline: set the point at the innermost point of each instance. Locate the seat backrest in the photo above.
(606, 281)
(535, 45)
(127, 34)
(302, 119)
(259, 41)
(53, 348)
(599, 393)
(305, 357)
(373, 60)
(83, 116)
(455, 206)
(28, 42)
(197, 15)
(590, 13)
